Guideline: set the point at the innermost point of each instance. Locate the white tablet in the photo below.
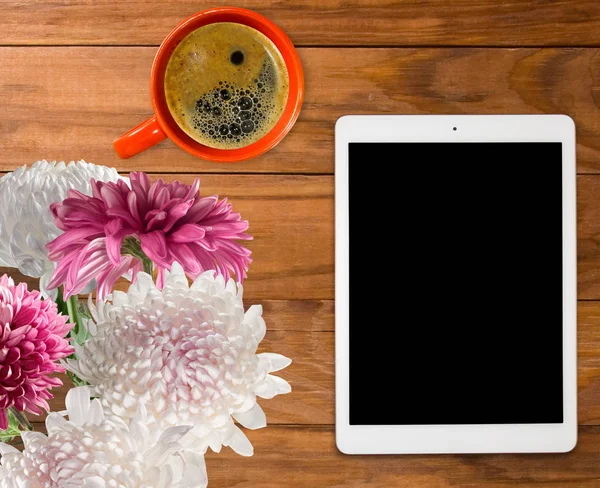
(455, 284)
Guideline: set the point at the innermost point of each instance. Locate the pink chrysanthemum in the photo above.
(110, 233)
(32, 339)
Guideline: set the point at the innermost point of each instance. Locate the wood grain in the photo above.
(66, 95)
(72, 102)
(307, 457)
(312, 22)
(301, 457)
(291, 219)
(588, 357)
(312, 372)
(588, 237)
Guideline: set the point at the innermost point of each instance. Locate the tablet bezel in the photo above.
(488, 438)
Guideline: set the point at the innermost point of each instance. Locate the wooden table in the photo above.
(74, 75)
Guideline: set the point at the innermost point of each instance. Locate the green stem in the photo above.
(73, 308)
(21, 418)
(133, 247)
(148, 266)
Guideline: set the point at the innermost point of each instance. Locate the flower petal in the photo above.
(240, 443)
(187, 233)
(78, 404)
(253, 419)
(154, 245)
(277, 362)
(273, 386)
(115, 233)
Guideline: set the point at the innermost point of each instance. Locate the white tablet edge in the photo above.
(506, 438)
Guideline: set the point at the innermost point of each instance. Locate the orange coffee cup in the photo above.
(162, 125)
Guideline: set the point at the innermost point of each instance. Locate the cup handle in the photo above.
(140, 138)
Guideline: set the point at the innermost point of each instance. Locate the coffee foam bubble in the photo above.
(233, 116)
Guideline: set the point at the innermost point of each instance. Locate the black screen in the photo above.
(455, 283)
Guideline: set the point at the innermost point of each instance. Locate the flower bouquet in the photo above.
(160, 371)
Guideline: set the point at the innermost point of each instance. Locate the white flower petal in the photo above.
(7, 449)
(165, 478)
(272, 386)
(240, 443)
(119, 297)
(94, 482)
(233, 288)
(253, 313)
(44, 280)
(253, 317)
(55, 422)
(194, 473)
(95, 415)
(29, 438)
(277, 362)
(78, 404)
(143, 284)
(252, 419)
(176, 276)
(173, 434)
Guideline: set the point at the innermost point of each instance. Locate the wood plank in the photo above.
(310, 22)
(588, 366)
(72, 102)
(301, 457)
(588, 237)
(291, 219)
(293, 250)
(297, 457)
(312, 372)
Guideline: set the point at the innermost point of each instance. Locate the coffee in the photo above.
(226, 85)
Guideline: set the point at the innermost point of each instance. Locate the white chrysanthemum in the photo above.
(26, 223)
(187, 353)
(97, 452)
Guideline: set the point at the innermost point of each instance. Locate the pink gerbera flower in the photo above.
(119, 230)
(32, 339)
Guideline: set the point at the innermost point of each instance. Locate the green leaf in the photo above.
(61, 304)
(84, 311)
(79, 331)
(77, 381)
(12, 431)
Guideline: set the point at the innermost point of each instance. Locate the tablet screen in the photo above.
(455, 283)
